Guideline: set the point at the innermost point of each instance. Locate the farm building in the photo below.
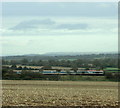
(19, 71)
(63, 68)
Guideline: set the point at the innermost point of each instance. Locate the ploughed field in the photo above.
(59, 93)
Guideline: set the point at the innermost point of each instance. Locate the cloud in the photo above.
(33, 24)
(72, 26)
(52, 26)
(47, 24)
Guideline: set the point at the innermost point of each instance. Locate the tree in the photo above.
(40, 63)
(24, 61)
(25, 68)
(97, 63)
(13, 62)
(19, 68)
(14, 66)
(74, 68)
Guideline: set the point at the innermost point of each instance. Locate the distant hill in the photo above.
(62, 56)
(75, 53)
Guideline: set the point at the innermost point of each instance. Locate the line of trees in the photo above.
(85, 63)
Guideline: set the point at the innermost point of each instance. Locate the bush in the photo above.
(113, 76)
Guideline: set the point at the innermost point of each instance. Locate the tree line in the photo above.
(85, 63)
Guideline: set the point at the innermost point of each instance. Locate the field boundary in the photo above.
(60, 107)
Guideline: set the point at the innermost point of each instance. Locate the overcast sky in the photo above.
(37, 28)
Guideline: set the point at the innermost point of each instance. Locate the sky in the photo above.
(43, 27)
